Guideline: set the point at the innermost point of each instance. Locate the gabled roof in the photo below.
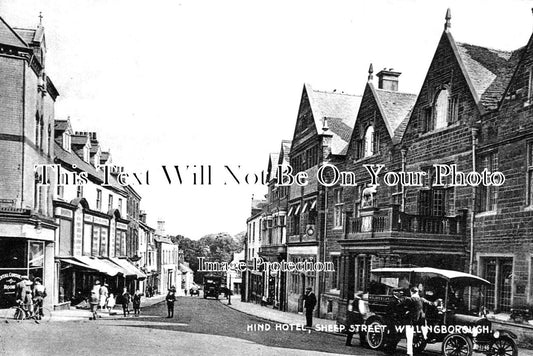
(272, 169)
(489, 71)
(28, 35)
(340, 111)
(395, 109)
(9, 37)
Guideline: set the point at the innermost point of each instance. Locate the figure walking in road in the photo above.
(171, 298)
(137, 303)
(39, 293)
(125, 301)
(309, 305)
(95, 298)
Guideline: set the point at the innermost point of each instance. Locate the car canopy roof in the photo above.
(446, 274)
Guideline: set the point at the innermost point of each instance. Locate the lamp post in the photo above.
(229, 290)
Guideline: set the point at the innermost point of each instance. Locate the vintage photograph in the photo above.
(266, 177)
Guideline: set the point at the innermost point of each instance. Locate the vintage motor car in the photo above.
(455, 313)
(212, 286)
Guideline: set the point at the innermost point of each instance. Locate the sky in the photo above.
(192, 82)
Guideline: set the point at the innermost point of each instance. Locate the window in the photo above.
(486, 197)
(441, 109)
(529, 173)
(110, 203)
(98, 199)
(428, 119)
(369, 148)
(120, 205)
(498, 271)
(530, 86)
(86, 154)
(37, 124)
(49, 139)
(335, 275)
(66, 141)
(453, 109)
(79, 191)
(337, 212)
(60, 191)
(363, 272)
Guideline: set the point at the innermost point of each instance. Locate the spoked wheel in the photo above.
(457, 345)
(375, 338)
(419, 343)
(13, 314)
(504, 347)
(43, 315)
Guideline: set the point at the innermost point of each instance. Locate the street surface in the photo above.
(200, 327)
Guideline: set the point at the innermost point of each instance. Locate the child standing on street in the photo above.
(137, 303)
(111, 301)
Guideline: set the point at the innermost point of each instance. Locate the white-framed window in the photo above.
(60, 191)
(337, 212)
(79, 191)
(120, 205)
(98, 199)
(67, 141)
(369, 142)
(110, 203)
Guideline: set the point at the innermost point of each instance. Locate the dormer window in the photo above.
(67, 141)
(369, 142)
(86, 154)
(443, 112)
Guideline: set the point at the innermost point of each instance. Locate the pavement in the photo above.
(73, 313)
(324, 325)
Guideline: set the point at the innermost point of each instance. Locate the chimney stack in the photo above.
(142, 216)
(161, 227)
(388, 79)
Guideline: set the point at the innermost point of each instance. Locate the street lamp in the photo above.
(229, 290)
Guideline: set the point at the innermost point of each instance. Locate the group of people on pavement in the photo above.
(101, 299)
(30, 295)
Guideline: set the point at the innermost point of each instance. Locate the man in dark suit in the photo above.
(415, 316)
(309, 305)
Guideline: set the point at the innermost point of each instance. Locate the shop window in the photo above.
(335, 274)
(363, 272)
(14, 253)
(65, 237)
(87, 239)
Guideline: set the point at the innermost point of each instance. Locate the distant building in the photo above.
(167, 259)
(234, 277)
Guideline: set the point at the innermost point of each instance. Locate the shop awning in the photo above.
(130, 268)
(101, 266)
(305, 207)
(297, 210)
(290, 211)
(74, 262)
(313, 205)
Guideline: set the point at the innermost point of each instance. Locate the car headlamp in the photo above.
(496, 334)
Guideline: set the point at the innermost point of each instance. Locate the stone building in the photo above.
(323, 128)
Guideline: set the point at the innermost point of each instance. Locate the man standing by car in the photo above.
(309, 304)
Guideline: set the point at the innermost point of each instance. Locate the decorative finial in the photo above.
(448, 18)
(370, 71)
(40, 18)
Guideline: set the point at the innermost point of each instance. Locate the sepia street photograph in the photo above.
(299, 177)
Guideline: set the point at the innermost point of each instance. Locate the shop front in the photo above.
(19, 257)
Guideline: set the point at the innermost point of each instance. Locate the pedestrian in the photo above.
(309, 304)
(415, 317)
(39, 293)
(171, 298)
(125, 300)
(149, 291)
(104, 293)
(111, 301)
(94, 300)
(264, 301)
(23, 295)
(137, 303)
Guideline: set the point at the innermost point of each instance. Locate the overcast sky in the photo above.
(219, 82)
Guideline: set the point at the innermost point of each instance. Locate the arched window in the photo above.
(441, 109)
(369, 141)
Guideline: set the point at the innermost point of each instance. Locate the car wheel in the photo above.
(419, 343)
(457, 345)
(504, 347)
(375, 336)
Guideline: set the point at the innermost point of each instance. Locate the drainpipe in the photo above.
(475, 132)
(404, 159)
